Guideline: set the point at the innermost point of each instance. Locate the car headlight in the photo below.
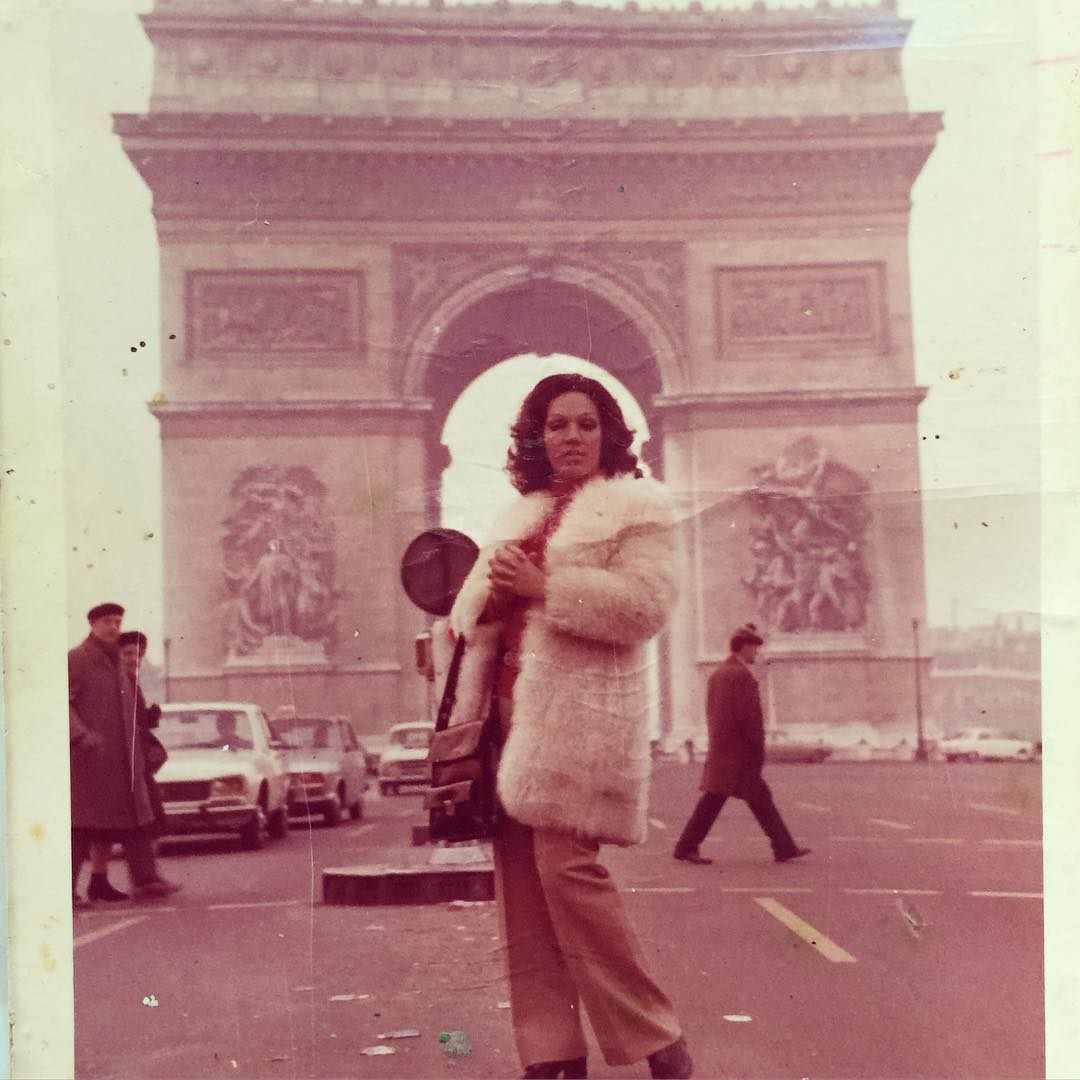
(227, 785)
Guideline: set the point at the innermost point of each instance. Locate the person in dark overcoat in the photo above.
(109, 797)
(736, 755)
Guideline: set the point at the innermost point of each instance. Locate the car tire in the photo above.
(356, 810)
(388, 789)
(278, 825)
(332, 813)
(253, 834)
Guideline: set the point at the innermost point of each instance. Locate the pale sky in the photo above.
(974, 249)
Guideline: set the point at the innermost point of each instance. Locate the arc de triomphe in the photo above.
(361, 207)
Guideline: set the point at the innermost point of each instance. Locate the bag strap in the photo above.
(449, 695)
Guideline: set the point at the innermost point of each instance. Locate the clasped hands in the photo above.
(512, 572)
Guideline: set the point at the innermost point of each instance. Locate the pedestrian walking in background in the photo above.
(109, 797)
(133, 645)
(556, 613)
(736, 755)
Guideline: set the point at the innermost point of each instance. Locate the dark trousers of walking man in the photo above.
(759, 798)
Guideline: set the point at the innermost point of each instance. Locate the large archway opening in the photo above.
(485, 347)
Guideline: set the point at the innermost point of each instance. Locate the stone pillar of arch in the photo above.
(359, 210)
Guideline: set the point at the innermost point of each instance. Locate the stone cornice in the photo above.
(823, 23)
(248, 131)
(776, 401)
(392, 176)
(355, 408)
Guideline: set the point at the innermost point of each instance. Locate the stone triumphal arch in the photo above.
(361, 207)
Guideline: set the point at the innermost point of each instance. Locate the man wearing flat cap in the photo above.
(736, 755)
(109, 798)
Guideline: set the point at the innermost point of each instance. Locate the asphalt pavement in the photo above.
(908, 944)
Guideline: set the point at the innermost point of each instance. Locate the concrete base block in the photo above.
(385, 885)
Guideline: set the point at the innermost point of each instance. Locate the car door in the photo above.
(271, 763)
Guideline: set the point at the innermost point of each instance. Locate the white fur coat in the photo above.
(577, 757)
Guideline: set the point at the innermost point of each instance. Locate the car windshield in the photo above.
(417, 738)
(205, 729)
(312, 733)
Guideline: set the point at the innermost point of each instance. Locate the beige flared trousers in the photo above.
(569, 943)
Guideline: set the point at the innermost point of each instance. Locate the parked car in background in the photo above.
(783, 746)
(986, 744)
(404, 761)
(224, 773)
(327, 772)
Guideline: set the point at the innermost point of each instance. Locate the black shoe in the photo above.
(796, 853)
(694, 857)
(672, 1063)
(574, 1069)
(100, 889)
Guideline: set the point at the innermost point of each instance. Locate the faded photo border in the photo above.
(34, 635)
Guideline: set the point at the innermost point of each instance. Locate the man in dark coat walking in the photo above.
(109, 797)
(736, 755)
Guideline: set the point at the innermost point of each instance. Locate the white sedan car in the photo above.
(404, 761)
(225, 772)
(986, 744)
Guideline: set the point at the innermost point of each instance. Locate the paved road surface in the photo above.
(908, 945)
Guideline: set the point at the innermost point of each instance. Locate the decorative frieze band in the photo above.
(826, 308)
(259, 317)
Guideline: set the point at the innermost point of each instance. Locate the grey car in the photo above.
(327, 773)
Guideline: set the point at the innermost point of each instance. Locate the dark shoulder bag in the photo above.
(461, 801)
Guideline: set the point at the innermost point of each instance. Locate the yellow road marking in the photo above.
(256, 904)
(803, 930)
(105, 931)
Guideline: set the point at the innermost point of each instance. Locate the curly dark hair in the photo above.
(527, 461)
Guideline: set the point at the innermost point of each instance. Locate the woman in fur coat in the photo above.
(556, 613)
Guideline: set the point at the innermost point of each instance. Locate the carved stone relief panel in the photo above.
(278, 566)
(819, 309)
(294, 317)
(809, 542)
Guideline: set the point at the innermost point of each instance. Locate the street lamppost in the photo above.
(920, 741)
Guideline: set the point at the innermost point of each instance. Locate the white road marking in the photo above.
(992, 809)
(661, 889)
(656, 823)
(893, 892)
(1008, 895)
(814, 806)
(257, 904)
(766, 888)
(803, 930)
(119, 909)
(889, 824)
(934, 839)
(1014, 843)
(860, 839)
(105, 931)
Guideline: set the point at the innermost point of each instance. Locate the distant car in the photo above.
(986, 744)
(327, 773)
(224, 773)
(782, 746)
(404, 761)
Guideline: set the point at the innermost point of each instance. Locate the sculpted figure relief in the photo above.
(809, 542)
(278, 559)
